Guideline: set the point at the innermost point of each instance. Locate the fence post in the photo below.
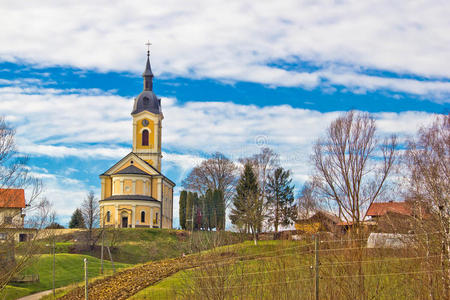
(316, 251)
(103, 241)
(86, 291)
(54, 266)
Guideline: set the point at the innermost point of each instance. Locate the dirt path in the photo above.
(36, 296)
(124, 284)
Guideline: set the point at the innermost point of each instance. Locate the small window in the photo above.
(156, 219)
(2, 236)
(108, 216)
(8, 220)
(142, 216)
(146, 100)
(145, 138)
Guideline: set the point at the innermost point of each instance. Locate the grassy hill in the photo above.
(285, 270)
(68, 270)
(128, 247)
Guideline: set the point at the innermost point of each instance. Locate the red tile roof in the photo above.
(12, 198)
(380, 209)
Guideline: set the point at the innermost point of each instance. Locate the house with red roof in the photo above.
(12, 203)
(379, 209)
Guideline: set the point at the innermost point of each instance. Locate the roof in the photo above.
(132, 170)
(141, 160)
(12, 198)
(382, 208)
(320, 214)
(148, 101)
(131, 197)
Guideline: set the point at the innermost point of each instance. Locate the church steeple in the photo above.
(148, 75)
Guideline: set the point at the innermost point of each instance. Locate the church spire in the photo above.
(148, 75)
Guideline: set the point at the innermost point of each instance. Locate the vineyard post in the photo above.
(54, 265)
(86, 292)
(103, 241)
(316, 250)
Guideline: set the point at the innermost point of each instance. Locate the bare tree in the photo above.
(15, 174)
(307, 201)
(91, 215)
(351, 170)
(428, 161)
(215, 173)
(352, 166)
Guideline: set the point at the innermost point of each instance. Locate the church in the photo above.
(134, 192)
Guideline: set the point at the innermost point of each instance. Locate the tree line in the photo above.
(257, 191)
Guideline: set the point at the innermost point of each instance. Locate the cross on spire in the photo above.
(148, 44)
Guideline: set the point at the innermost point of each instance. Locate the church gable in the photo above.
(134, 161)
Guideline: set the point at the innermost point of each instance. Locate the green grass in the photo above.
(287, 274)
(69, 270)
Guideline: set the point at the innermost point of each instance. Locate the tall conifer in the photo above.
(183, 196)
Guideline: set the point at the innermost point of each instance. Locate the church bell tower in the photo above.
(147, 121)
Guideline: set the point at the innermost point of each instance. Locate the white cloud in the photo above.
(57, 124)
(238, 40)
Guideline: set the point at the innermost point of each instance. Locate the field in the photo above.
(128, 246)
(270, 270)
(68, 270)
(285, 270)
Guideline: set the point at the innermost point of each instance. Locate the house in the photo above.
(319, 221)
(396, 217)
(12, 204)
(379, 209)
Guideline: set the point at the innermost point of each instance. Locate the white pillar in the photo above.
(117, 216)
(103, 189)
(133, 187)
(121, 186)
(133, 216)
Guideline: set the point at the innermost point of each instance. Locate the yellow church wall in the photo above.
(155, 189)
(151, 137)
(108, 187)
(117, 187)
(156, 221)
(139, 187)
(139, 209)
(112, 210)
(127, 187)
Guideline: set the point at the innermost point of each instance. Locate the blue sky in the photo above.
(231, 76)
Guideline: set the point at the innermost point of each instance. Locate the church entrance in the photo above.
(124, 222)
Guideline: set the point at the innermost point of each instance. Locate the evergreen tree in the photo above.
(198, 214)
(210, 209)
(219, 208)
(77, 220)
(183, 196)
(189, 210)
(247, 203)
(280, 198)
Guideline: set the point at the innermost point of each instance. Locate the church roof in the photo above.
(132, 170)
(131, 197)
(135, 156)
(147, 100)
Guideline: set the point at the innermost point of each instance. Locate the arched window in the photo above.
(142, 216)
(145, 137)
(108, 216)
